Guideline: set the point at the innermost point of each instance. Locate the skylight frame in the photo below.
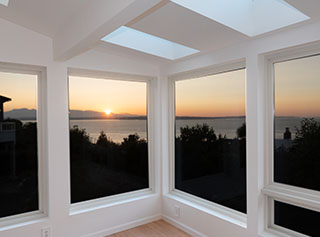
(137, 40)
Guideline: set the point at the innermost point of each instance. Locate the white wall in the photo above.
(200, 222)
(20, 45)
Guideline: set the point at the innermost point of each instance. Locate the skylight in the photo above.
(4, 2)
(250, 17)
(137, 40)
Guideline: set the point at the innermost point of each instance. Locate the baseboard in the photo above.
(143, 221)
(183, 227)
(126, 226)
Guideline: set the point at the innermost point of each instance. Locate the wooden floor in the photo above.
(157, 228)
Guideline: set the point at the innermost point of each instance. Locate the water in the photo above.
(116, 129)
(224, 126)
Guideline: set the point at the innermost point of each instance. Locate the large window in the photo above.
(19, 184)
(210, 138)
(297, 122)
(293, 166)
(108, 137)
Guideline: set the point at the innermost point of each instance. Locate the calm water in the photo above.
(116, 130)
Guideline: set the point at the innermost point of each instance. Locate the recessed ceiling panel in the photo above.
(137, 40)
(250, 17)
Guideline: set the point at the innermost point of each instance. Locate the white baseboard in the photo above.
(183, 227)
(126, 226)
(143, 221)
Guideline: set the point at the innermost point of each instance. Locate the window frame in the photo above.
(212, 208)
(293, 195)
(42, 143)
(98, 203)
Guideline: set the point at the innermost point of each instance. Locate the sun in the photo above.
(108, 111)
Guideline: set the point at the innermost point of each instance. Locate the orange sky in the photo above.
(297, 92)
(21, 88)
(297, 87)
(213, 96)
(100, 95)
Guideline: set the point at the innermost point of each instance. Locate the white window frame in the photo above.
(94, 204)
(212, 208)
(297, 196)
(42, 145)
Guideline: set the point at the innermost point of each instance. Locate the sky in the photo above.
(21, 88)
(101, 95)
(212, 96)
(297, 92)
(297, 87)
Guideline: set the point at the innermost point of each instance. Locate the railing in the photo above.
(7, 126)
(7, 132)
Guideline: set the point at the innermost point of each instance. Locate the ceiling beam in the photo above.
(99, 18)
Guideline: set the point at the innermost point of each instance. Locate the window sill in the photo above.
(16, 221)
(96, 204)
(282, 232)
(272, 233)
(295, 195)
(211, 208)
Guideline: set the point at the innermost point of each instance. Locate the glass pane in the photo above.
(297, 219)
(297, 122)
(108, 137)
(18, 144)
(210, 140)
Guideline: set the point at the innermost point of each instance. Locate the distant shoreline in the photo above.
(178, 118)
(145, 117)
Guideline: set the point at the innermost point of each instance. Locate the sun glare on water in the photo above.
(108, 111)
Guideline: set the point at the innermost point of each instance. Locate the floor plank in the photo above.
(157, 228)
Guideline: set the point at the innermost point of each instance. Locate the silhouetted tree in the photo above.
(80, 144)
(198, 133)
(201, 156)
(305, 154)
(241, 134)
(135, 153)
(102, 139)
(241, 131)
(197, 152)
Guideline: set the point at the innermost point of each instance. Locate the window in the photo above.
(210, 138)
(297, 122)
(21, 142)
(108, 137)
(292, 153)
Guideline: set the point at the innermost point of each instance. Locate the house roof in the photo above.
(4, 99)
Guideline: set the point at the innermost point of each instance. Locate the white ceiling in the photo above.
(43, 16)
(171, 22)
(178, 24)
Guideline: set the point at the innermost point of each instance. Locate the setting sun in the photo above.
(108, 111)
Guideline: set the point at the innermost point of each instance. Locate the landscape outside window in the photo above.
(18, 144)
(210, 138)
(297, 135)
(108, 137)
(297, 122)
